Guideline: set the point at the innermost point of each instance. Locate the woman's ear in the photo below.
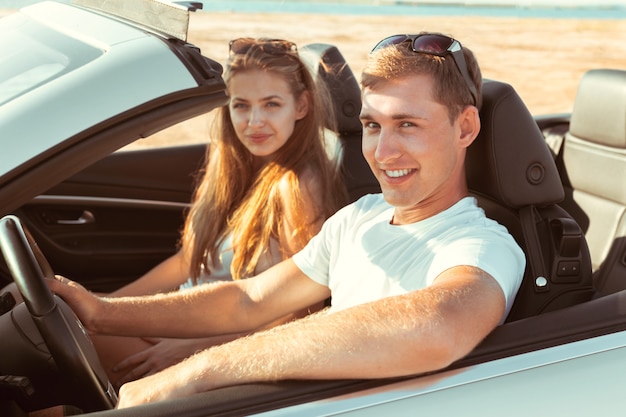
(302, 105)
(469, 123)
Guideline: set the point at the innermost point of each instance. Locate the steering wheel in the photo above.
(66, 339)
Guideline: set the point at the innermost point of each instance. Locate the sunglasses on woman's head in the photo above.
(270, 46)
(434, 44)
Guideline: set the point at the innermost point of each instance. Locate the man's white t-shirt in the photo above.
(362, 257)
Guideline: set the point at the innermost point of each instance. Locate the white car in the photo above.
(80, 81)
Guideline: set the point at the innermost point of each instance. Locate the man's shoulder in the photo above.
(370, 201)
(369, 205)
(366, 206)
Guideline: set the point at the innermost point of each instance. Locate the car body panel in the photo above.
(88, 89)
(537, 377)
(139, 84)
(561, 380)
(77, 95)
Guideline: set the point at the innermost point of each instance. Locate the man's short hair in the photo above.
(398, 61)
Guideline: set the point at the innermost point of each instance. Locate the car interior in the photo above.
(517, 180)
(594, 149)
(513, 174)
(588, 146)
(571, 227)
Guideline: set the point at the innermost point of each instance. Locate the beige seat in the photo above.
(594, 157)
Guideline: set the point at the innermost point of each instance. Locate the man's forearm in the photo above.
(354, 343)
(368, 341)
(408, 334)
(198, 312)
(317, 347)
(204, 311)
(413, 333)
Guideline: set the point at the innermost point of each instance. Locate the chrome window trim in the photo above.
(171, 18)
(107, 202)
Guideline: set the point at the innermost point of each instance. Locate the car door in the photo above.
(116, 219)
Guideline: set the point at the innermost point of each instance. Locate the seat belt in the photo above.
(533, 247)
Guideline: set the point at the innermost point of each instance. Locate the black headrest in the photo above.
(510, 161)
(329, 66)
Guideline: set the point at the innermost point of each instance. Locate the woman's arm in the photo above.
(166, 276)
(310, 214)
(306, 213)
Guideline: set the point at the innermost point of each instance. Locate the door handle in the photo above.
(86, 217)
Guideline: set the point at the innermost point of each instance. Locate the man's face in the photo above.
(414, 150)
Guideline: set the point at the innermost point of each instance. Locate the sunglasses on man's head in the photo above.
(270, 46)
(434, 44)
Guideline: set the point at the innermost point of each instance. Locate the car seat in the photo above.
(512, 173)
(329, 67)
(594, 162)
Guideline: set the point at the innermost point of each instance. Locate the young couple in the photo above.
(418, 275)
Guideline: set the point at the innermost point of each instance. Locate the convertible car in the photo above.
(80, 81)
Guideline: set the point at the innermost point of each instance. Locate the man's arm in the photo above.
(421, 331)
(207, 310)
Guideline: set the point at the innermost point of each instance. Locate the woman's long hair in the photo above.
(236, 199)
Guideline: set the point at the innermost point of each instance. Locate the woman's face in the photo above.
(263, 111)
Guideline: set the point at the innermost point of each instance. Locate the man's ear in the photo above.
(302, 105)
(469, 123)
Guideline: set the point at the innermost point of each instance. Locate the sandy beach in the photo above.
(543, 59)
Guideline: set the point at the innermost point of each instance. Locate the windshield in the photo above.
(31, 54)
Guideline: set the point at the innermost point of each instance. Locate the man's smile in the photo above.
(397, 173)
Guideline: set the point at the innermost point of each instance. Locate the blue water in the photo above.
(584, 11)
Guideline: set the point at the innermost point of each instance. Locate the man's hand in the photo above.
(170, 383)
(85, 304)
(162, 354)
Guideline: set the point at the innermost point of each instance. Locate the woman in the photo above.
(266, 190)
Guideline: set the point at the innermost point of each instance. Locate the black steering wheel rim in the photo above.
(62, 332)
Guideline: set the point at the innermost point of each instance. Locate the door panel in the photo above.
(161, 174)
(115, 220)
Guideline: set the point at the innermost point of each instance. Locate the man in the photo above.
(418, 275)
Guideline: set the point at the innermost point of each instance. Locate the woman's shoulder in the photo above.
(307, 179)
